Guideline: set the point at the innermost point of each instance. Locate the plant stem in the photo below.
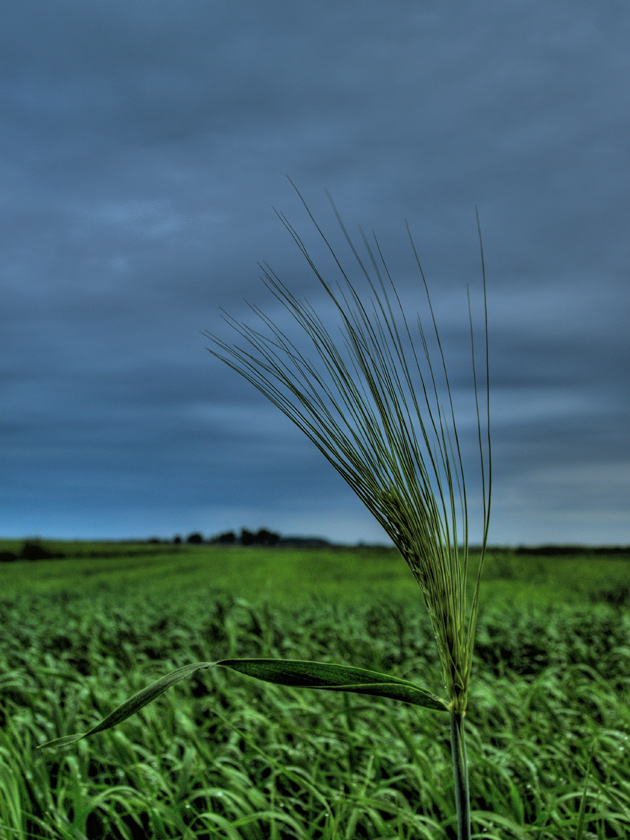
(460, 773)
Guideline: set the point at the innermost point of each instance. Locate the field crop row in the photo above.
(222, 756)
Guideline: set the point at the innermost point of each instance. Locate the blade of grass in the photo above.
(293, 672)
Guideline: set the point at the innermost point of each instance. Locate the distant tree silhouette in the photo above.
(7, 557)
(261, 537)
(35, 551)
(177, 540)
(247, 537)
(226, 538)
(194, 539)
(265, 537)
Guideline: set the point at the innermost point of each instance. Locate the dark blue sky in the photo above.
(143, 148)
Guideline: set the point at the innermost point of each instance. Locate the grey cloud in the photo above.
(142, 155)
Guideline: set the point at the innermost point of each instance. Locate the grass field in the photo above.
(221, 756)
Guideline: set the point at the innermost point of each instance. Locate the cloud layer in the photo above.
(142, 156)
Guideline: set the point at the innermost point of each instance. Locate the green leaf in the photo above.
(321, 675)
(133, 705)
(293, 672)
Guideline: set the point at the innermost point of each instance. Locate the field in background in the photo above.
(279, 574)
(226, 757)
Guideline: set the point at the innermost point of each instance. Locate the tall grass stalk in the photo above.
(379, 406)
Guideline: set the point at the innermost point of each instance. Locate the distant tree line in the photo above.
(245, 537)
(30, 551)
(554, 550)
(35, 550)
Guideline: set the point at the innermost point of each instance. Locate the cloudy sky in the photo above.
(144, 147)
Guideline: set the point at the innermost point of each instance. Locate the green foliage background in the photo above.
(222, 756)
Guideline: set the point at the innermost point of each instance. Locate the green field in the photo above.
(223, 756)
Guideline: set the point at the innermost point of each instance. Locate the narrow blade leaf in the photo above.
(322, 675)
(293, 672)
(133, 705)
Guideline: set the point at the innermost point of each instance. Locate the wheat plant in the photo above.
(376, 400)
